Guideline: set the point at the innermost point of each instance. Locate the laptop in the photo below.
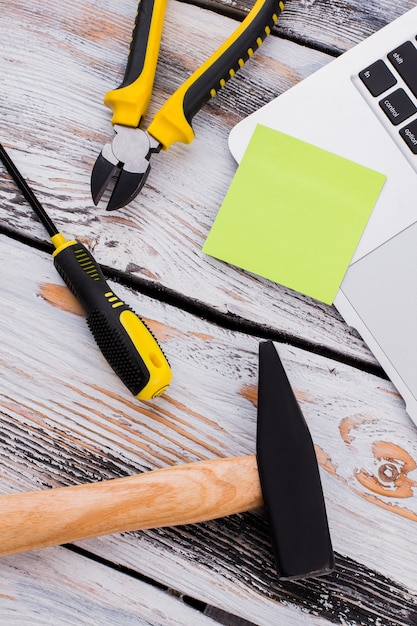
(363, 106)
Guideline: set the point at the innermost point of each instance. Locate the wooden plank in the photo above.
(55, 72)
(59, 426)
(62, 587)
(333, 26)
(66, 419)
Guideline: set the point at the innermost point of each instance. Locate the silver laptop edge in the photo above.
(330, 109)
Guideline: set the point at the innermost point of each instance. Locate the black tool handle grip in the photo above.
(130, 100)
(122, 337)
(173, 122)
(233, 57)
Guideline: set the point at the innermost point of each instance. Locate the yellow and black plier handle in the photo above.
(172, 123)
(130, 100)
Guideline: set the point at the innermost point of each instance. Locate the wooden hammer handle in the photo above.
(184, 494)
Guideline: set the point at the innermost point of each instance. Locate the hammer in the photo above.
(283, 476)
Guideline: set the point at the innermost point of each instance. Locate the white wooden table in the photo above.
(64, 416)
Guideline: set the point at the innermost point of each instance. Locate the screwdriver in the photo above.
(123, 338)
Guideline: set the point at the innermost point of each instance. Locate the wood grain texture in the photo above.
(65, 419)
(58, 90)
(62, 424)
(334, 26)
(62, 587)
(171, 496)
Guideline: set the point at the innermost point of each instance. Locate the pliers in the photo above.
(127, 157)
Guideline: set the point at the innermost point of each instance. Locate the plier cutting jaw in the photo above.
(127, 158)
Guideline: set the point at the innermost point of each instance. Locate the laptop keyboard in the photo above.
(392, 84)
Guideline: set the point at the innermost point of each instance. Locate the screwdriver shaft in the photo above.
(28, 193)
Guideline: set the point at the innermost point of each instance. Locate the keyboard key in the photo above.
(397, 106)
(409, 134)
(377, 78)
(404, 59)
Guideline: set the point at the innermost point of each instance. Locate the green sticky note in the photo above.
(294, 214)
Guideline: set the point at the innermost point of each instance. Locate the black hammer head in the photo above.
(289, 476)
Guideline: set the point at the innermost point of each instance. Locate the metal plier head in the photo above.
(127, 157)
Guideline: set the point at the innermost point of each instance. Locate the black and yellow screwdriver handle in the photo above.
(173, 121)
(125, 341)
